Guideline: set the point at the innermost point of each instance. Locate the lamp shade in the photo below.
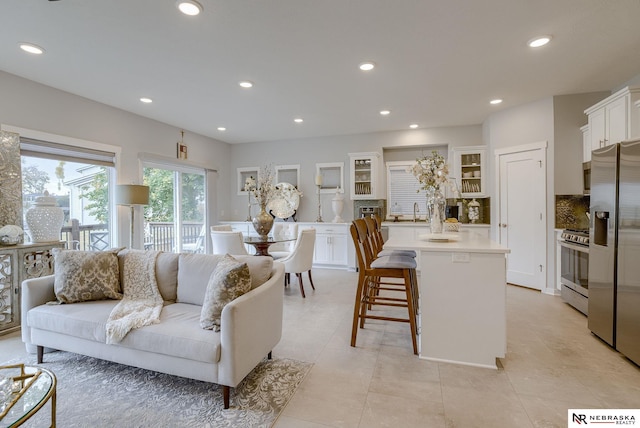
(132, 194)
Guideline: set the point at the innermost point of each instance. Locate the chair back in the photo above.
(301, 257)
(222, 228)
(375, 238)
(224, 242)
(364, 242)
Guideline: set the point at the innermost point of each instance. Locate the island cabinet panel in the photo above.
(463, 307)
(462, 285)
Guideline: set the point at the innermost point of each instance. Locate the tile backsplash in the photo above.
(571, 211)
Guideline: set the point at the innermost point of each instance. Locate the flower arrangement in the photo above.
(431, 171)
(263, 190)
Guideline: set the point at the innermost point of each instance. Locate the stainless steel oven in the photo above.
(574, 273)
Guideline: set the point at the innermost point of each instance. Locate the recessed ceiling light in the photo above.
(298, 120)
(221, 128)
(31, 48)
(189, 7)
(146, 100)
(413, 126)
(245, 84)
(367, 66)
(385, 112)
(539, 41)
(496, 101)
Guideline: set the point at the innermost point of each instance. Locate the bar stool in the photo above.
(379, 280)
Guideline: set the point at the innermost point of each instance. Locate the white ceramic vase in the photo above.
(337, 204)
(45, 219)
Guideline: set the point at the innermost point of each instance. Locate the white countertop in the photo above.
(460, 242)
(423, 223)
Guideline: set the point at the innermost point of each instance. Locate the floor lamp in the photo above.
(132, 195)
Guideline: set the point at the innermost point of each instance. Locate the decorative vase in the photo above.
(263, 222)
(436, 203)
(337, 204)
(45, 219)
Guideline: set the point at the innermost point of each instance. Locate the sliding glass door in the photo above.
(175, 216)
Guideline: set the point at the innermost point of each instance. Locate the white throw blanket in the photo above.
(141, 303)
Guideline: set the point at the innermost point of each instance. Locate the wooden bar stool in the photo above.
(380, 280)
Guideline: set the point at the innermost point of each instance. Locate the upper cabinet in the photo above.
(586, 143)
(366, 176)
(614, 119)
(470, 171)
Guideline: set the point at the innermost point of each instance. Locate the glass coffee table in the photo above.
(33, 387)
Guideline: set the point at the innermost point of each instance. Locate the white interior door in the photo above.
(522, 219)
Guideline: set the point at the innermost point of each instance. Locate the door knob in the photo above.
(503, 225)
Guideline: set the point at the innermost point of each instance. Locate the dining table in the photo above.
(262, 244)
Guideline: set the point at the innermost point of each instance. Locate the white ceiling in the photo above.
(438, 62)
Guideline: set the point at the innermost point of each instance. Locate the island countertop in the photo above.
(463, 241)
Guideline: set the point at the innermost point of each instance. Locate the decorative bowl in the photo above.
(7, 240)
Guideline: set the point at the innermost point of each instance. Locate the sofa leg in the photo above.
(226, 390)
(40, 350)
(269, 356)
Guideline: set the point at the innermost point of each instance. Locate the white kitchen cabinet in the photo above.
(470, 171)
(366, 176)
(614, 119)
(332, 244)
(586, 143)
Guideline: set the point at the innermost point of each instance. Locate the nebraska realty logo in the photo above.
(599, 417)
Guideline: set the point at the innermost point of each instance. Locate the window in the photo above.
(80, 179)
(404, 190)
(175, 216)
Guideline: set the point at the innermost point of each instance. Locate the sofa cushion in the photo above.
(85, 275)
(178, 334)
(260, 268)
(167, 275)
(229, 280)
(84, 320)
(194, 271)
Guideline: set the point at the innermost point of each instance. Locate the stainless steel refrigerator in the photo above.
(614, 247)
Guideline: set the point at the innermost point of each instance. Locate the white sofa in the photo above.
(251, 325)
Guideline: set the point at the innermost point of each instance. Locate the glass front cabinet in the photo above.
(470, 171)
(366, 176)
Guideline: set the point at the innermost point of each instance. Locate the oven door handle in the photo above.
(575, 247)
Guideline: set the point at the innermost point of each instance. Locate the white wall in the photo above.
(568, 117)
(30, 105)
(310, 151)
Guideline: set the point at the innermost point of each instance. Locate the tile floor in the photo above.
(553, 363)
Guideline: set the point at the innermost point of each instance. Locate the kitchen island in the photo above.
(462, 298)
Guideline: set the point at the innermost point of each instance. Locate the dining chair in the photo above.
(301, 258)
(226, 242)
(387, 281)
(283, 230)
(222, 228)
(374, 230)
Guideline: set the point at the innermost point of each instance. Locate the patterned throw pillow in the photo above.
(81, 276)
(229, 280)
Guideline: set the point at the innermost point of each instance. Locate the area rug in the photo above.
(96, 393)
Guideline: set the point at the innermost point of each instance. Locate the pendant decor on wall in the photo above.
(10, 180)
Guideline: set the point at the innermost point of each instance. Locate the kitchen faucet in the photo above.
(415, 210)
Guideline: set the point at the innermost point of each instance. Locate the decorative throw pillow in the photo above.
(229, 280)
(85, 275)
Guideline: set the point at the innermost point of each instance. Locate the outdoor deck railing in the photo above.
(159, 236)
